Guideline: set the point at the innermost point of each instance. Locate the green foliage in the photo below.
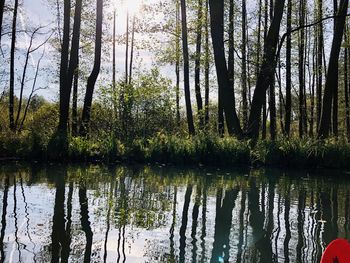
(203, 149)
(174, 149)
(139, 109)
(106, 149)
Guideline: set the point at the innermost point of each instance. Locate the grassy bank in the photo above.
(206, 150)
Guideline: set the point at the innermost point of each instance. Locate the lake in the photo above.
(94, 213)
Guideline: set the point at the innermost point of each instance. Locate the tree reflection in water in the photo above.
(98, 214)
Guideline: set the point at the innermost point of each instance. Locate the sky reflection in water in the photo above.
(144, 214)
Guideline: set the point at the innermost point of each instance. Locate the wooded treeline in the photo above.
(282, 67)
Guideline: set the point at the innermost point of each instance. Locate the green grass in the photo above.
(200, 149)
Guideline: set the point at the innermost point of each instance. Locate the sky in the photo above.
(37, 12)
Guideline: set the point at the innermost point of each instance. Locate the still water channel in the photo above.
(167, 214)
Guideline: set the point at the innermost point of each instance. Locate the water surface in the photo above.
(167, 214)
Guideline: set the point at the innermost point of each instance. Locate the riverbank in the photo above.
(206, 150)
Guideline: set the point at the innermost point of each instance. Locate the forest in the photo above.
(198, 81)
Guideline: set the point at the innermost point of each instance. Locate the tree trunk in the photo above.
(177, 63)
(272, 95)
(264, 111)
(266, 72)
(231, 51)
(73, 71)
(206, 66)
(301, 50)
(320, 49)
(75, 102)
(2, 4)
(225, 92)
(346, 87)
(336, 84)
(198, 64)
(12, 67)
(127, 49)
(132, 49)
(244, 66)
(114, 51)
(23, 79)
(332, 73)
(289, 71)
(191, 129)
(95, 71)
(64, 107)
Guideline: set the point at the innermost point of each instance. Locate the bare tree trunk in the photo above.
(320, 49)
(231, 51)
(191, 129)
(32, 92)
(264, 111)
(272, 97)
(332, 70)
(177, 63)
(289, 71)
(267, 70)
(312, 87)
(84, 128)
(127, 49)
(29, 52)
(73, 68)
(206, 64)
(132, 49)
(64, 108)
(75, 102)
(225, 92)
(12, 67)
(198, 64)
(336, 85)
(244, 66)
(114, 51)
(23, 79)
(346, 88)
(2, 4)
(301, 47)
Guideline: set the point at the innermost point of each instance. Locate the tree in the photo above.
(272, 95)
(177, 62)
(244, 65)
(267, 70)
(226, 96)
(29, 52)
(95, 71)
(206, 64)
(2, 4)
(301, 63)
(336, 83)
(190, 124)
(231, 49)
(288, 71)
(132, 49)
(331, 79)
(320, 50)
(198, 63)
(73, 68)
(12, 66)
(346, 85)
(64, 108)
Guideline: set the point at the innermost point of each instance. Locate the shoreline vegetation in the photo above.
(208, 150)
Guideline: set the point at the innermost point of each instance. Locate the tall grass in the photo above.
(179, 150)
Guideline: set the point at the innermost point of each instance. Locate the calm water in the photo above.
(160, 214)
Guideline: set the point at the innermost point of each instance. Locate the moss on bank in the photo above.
(207, 150)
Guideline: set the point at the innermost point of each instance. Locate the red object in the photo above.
(338, 251)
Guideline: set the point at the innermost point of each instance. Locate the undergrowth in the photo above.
(172, 149)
